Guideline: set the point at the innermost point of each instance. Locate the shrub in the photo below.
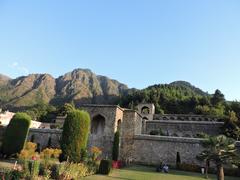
(115, 150)
(34, 167)
(105, 167)
(68, 170)
(96, 152)
(50, 153)
(16, 174)
(17, 131)
(75, 135)
(45, 170)
(28, 152)
(189, 167)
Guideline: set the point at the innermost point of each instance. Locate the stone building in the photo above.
(136, 143)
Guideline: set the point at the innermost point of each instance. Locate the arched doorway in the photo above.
(119, 123)
(97, 125)
(145, 110)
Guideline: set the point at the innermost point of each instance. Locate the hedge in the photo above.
(16, 134)
(115, 150)
(105, 167)
(75, 135)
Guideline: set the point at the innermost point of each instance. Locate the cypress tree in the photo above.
(75, 135)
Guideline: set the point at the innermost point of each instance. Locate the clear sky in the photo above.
(137, 42)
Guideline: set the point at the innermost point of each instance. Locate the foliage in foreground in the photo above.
(17, 131)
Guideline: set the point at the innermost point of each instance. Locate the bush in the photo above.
(50, 153)
(28, 152)
(115, 150)
(75, 135)
(34, 167)
(68, 170)
(15, 175)
(96, 152)
(105, 167)
(189, 167)
(17, 131)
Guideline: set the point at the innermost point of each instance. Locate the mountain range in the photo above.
(80, 86)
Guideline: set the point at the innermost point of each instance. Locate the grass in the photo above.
(148, 173)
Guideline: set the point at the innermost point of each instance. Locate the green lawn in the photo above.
(148, 173)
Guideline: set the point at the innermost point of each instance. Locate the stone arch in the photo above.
(145, 110)
(98, 124)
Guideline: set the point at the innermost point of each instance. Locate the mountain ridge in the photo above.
(79, 86)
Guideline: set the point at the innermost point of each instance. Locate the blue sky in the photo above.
(137, 42)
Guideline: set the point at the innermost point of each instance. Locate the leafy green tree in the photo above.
(42, 112)
(16, 134)
(75, 135)
(202, 109)
(217, 98)
(233, 117)
(66, 108)
(220, 150)
(230, 128)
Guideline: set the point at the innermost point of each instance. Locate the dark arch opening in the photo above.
(145, 110)
(98, 124)
(32, 138)
(119, 123)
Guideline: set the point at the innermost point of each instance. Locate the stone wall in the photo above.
(131, 125)
(151, 150)
(184, 128)
(42, 137)
(184, 117)
(45, 137)
(104, 140)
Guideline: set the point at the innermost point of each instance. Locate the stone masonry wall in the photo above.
(151, 150)
(104, 141)
(43, 137)
(131, 125)
(184, 128)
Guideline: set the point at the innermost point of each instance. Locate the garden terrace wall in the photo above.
(42, 137)
(183, 128)
(151, 150)
(185, 117)
(45, 137)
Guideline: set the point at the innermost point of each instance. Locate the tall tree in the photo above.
(220, 150)
(217, 98)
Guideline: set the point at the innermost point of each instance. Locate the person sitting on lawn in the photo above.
(165, 168)
(159, 167)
